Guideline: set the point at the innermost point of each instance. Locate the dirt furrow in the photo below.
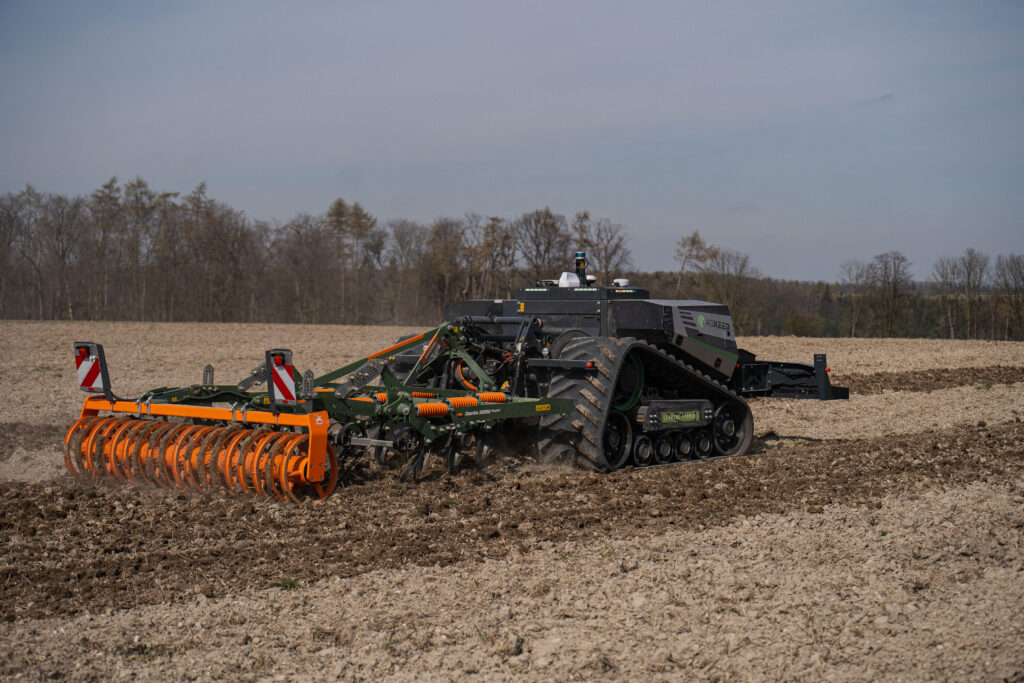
(930, 379)
(70, 546)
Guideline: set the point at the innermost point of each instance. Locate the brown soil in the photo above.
(876, 538)
(889, 590)
(69, 547)
(865, 356)
(932, 379)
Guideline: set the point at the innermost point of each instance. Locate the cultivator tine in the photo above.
(415, 467)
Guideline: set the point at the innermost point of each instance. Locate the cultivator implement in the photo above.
(292, 441)
(599, 377)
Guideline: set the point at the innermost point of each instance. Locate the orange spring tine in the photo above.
(92, 441)
(193, 464)
(324, 489)
(110, 449)
(381, 397)
(210, 451)
(85, 440)
(246, 473)
(73, 445)
(423, 394)
(151, 459)
(226, 456)
(278, 454)
(278, 463)
(72, 462)
(100, 446)
(168, 454)
(492, 397)
(158, 455)
(123, 450)
(168, 447)
(191, 461)
(250, 460)
(198, 460)
(180, 460)
(241, 456)
(211, 446)
(294, 466)
(463, 401)
(145, 440)
(290, 461)
(260, 461)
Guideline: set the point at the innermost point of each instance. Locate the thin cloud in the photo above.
(887, 98)
(742, 208)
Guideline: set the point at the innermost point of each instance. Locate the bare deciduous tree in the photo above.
(1009, 279)
(691, 254)
(728, 273)
(974, 274)
(856, 276)
(543, 243)
(946, 277)
(606, 246)
(890, 277)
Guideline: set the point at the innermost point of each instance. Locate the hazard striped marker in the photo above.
(281, 386)
(91, 366)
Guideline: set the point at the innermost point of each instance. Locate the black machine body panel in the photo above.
(700, 333)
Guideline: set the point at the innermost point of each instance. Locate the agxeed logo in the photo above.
(703, 322)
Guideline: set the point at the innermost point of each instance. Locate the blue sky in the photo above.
(803, 133)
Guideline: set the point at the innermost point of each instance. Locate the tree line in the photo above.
(129, 252)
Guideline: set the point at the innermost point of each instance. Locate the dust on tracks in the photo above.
(931, 379)
(69, 547)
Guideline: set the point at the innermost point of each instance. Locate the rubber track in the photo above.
(577, 438)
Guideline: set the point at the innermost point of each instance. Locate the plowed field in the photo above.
(875, 538)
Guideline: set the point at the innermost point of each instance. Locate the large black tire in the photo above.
(578, 438)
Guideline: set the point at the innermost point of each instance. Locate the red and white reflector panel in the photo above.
(92, 368)
(281, 377)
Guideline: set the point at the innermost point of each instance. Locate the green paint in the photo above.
(721, 352)
(685, 416)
